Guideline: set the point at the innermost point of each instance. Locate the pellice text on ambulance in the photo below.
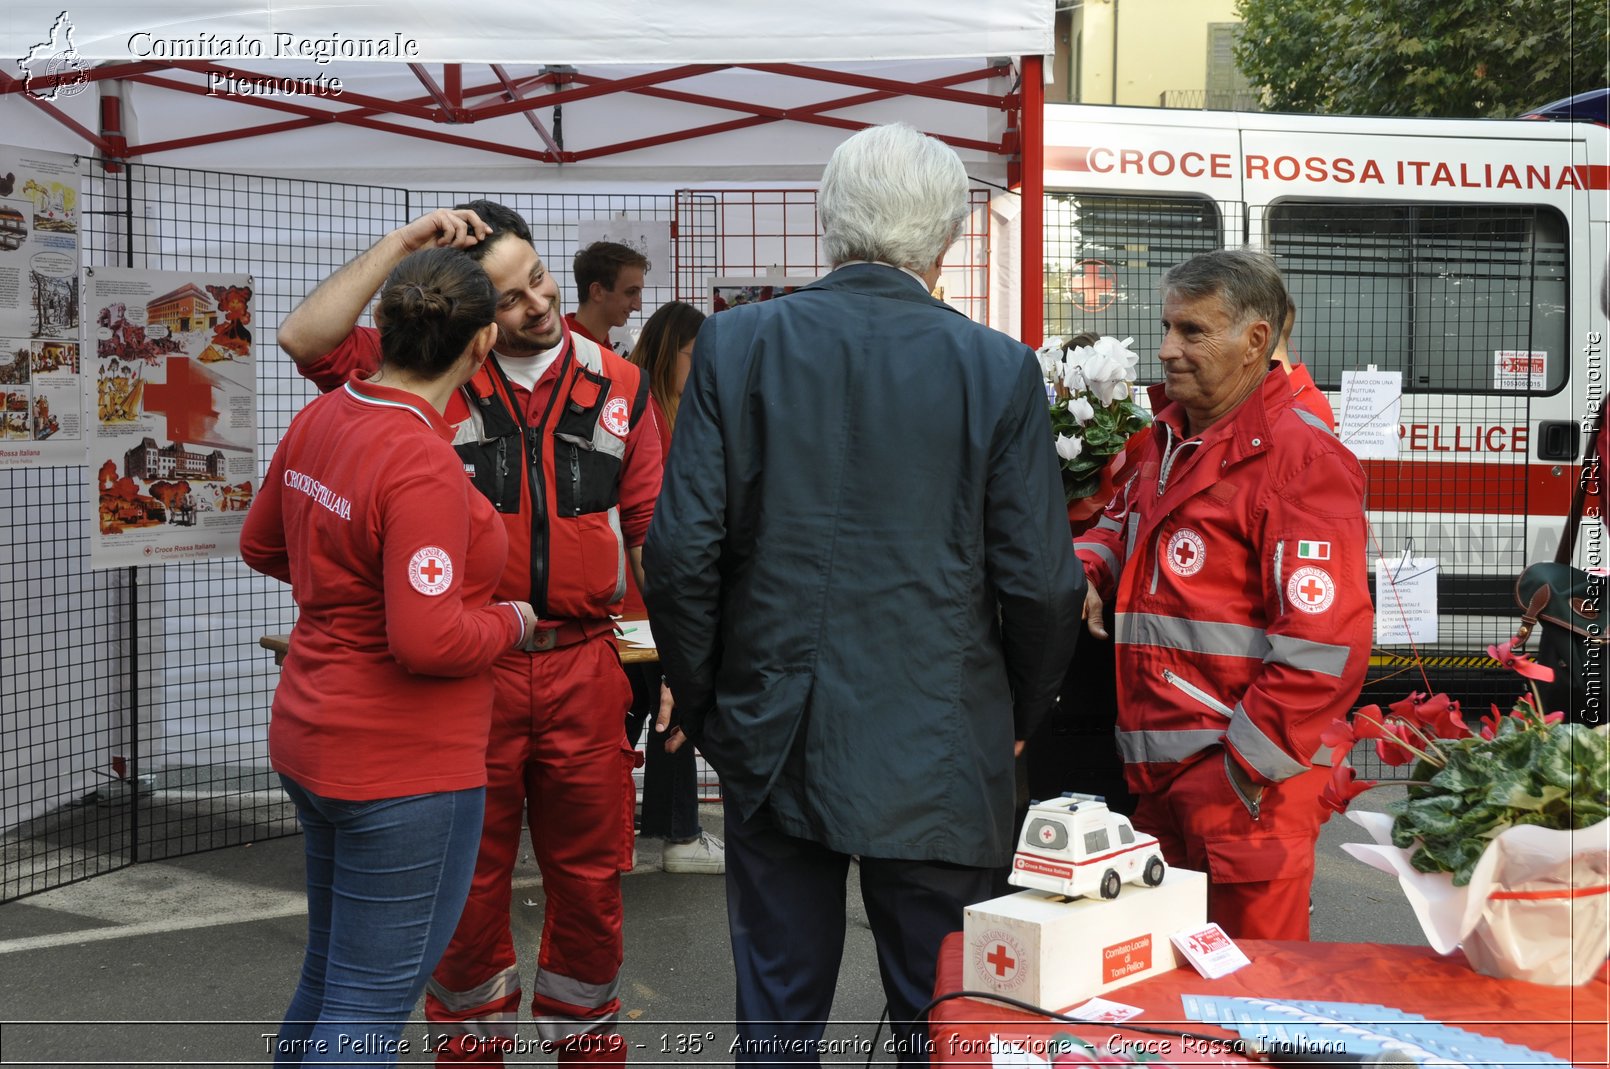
(1465, 254)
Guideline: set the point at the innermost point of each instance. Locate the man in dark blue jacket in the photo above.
(863, 592)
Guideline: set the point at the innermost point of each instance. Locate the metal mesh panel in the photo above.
(119, 760)
(1437, 292)
(134, 702)
(775, 232)
(1104, 256)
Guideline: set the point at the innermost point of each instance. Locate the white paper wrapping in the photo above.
(1561, 939)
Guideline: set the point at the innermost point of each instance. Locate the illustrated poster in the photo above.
(730, 292)
(651, 237)
(41, 380)
(173, 404)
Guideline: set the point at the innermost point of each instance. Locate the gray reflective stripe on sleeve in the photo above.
(1322, 657)
(573, 992)
(1312, 420)
(1134, 534)
(1193, 636)
(620, 553)
(1325, 757)
(1269, 760)
(1101, 551)
(501, 986)
(558, 1029)
(1164, 747)
(1107, 523)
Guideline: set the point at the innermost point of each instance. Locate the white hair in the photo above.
(892, 194)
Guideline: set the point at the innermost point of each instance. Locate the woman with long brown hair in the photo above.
(670, 780)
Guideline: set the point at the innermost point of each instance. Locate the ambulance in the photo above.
(1075, 846)
(1465, 256)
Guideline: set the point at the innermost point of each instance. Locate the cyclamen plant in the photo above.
(1093, 411)
(1525, 768)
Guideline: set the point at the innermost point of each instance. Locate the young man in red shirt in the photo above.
(555, 432)
(609, 289)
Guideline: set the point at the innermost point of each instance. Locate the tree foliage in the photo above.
(1493, 58)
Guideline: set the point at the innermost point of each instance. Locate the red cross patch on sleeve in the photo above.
(430, 571)
(1311, 590)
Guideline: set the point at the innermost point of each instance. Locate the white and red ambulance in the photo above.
(1466, 254)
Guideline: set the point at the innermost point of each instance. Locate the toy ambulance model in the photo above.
(1076, 846)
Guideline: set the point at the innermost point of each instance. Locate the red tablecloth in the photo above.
(1568, 1022)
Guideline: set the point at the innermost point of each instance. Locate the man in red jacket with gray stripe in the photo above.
(1236, 554)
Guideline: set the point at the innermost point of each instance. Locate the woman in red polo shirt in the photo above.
(381, 716)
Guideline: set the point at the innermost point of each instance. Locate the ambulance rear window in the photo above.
(1105, 255)
(1443, 293)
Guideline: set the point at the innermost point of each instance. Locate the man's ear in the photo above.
(595, 292)
(1258, 336)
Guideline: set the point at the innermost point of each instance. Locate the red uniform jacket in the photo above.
(580, 444)
(392, 560)
(1243, 616)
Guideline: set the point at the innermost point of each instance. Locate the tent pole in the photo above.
(1031, 150)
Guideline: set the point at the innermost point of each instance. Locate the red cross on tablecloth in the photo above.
(186, 398)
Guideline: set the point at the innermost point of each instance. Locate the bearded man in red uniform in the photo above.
(1236, 554)
(554, 431)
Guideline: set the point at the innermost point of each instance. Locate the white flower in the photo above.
(1050, 358)
(1081, 410)
(1069, 447)
(1107, 368)
(1119, 350)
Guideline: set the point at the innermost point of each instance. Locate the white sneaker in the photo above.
(705, 854)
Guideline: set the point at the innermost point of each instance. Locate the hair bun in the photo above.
(417, 302)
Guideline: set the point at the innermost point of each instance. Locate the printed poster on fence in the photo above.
(41, 384)
(651, 237)
(173, 402)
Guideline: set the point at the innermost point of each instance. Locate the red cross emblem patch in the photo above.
(430, 571)
(616, 417)
(1311, 590)
(1187, 552)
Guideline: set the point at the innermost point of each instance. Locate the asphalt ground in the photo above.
(190, 962)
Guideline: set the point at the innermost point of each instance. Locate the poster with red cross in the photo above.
(170, 390)
(41, 423)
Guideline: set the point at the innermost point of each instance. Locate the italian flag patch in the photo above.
(1313, 550)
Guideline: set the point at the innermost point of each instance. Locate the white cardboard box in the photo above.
(1035, 947)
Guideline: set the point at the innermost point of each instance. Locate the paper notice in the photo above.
(1405, 601)
(1368, 414)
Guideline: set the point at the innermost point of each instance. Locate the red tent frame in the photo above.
(449, 102)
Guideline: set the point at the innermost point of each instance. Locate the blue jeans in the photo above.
(386, 880)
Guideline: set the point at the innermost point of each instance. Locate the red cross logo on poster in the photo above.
(186, 399)
(1187, 552)
(1311, 590)
(430, 571)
